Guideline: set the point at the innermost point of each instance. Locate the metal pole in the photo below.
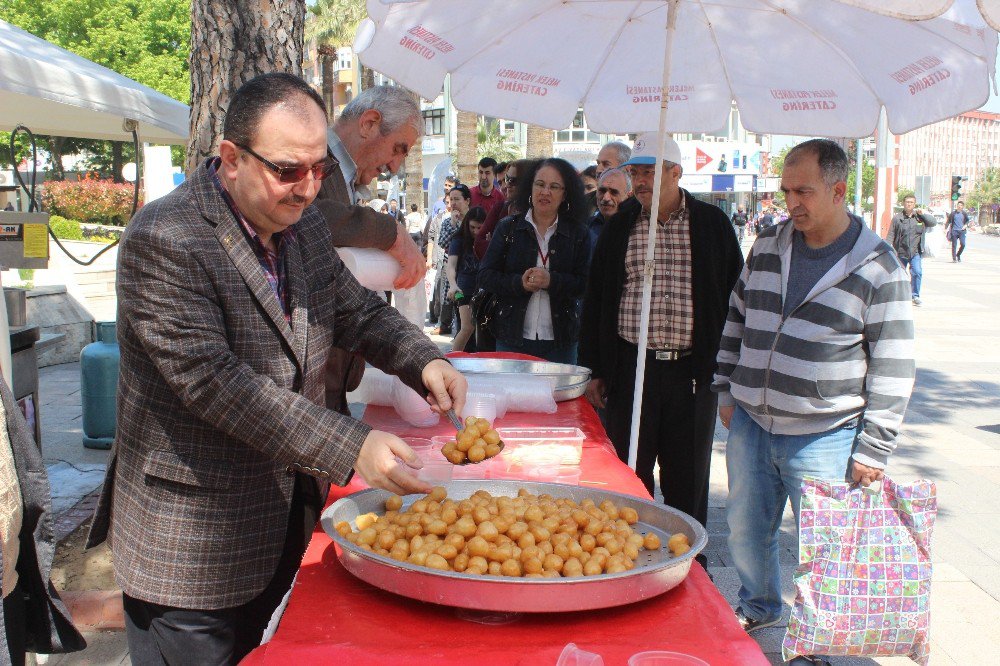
(858, 156)
(649, 264)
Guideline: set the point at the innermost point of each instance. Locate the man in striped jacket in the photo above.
(815, 368)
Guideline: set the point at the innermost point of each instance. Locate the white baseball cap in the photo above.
(644, 150)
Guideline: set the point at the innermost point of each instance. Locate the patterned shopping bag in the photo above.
(863, 584)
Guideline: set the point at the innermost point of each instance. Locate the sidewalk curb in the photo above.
(95, 610)
(71, 519)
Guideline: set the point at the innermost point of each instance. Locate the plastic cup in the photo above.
(663, 658)
(542, 468)
(374, 269)
(574, 656)
(480, 405)
(569, 476)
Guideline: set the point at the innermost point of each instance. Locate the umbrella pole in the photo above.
(649, 264)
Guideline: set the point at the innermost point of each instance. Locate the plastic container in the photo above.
(378, 388)
(374, 269)
(99, 387)
(663, 658)
(574, 656)
(525, 443)
(480, 405)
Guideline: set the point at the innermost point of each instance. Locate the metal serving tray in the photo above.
(655, 572)
(563, 374)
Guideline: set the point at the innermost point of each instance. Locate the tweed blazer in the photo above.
(221, 401)
(48, 625)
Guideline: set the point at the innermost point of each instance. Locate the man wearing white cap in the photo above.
(697, 262)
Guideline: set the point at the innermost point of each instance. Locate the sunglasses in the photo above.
(294, 174)
(510, 180)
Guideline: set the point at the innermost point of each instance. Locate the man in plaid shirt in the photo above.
(697, 262)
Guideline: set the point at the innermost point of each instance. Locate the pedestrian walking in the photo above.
(740, 220)
(823, 305)
(955, 230)
(907, 234)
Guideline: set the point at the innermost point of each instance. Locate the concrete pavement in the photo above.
(951, 435)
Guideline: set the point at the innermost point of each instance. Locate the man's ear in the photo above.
(839, 191)
(369, 123)
(230, 154)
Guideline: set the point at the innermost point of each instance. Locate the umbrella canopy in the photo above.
(55, 92)
(792, 66)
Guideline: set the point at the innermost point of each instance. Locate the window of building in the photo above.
(434, 122)
(344, 57)
(578, 131)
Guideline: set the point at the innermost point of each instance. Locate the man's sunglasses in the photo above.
(294, 174)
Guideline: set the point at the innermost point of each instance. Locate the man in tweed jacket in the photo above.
(230, 298)
(815, 368)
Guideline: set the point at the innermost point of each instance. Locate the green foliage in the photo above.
(334, 22)
(145, 40)
(987, 189)
(902, 193)
(490, 142)
(89, 200)
(867, 183)
(65, 229)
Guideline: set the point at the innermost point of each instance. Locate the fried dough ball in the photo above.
(474, 443)
(526, 536)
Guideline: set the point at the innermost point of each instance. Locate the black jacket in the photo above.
(716, 262)
(906, 234)
(513, 250)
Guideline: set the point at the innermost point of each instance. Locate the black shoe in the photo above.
(750, 625)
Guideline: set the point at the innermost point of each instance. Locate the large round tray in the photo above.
(568, 381)
(655, 572)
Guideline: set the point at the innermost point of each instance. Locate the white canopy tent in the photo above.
(54, 92)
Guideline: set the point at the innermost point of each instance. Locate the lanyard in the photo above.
(544, 257)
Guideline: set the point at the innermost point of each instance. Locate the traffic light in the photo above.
(956, 187)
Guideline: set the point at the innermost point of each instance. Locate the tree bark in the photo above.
(327, 56)
(466, 141)
(233, 41)
(56, 155)
(415, 172)
(116, 161)
(539, 143)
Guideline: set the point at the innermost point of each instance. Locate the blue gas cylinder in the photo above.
(99, 387)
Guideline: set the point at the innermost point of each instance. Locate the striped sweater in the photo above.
(845, 352)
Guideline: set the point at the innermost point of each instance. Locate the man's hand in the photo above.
(596, 393)
(452, 292)
(864, 474)
(726, 415)
(377, 464)
(447, 386)
(406, 252)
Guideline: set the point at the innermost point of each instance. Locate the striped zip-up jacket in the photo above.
(845, 352)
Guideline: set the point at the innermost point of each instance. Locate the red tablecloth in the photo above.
(334, 618)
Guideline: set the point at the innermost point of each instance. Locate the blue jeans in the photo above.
(546, 349)
(916, 272)
(957, 244)
(765, 471)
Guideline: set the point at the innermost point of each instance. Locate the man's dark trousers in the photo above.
(166, 635)
(678, 426)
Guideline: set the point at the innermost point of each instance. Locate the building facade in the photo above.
(965, 145)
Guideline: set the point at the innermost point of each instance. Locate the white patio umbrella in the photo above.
(55, 92)
(800, 67)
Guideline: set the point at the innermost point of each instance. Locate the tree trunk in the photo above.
(415, 172)
(116, 161)
(367, 79)
(56, 155)
(327, 56)
(466, 141)
(232, 42)
(539, 142)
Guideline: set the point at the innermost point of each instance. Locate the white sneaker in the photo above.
(917, 301)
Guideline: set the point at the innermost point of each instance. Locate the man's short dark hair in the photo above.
(413, 208)
(488, 163)
(831, 158)
(910, 196)
(501, 167)
(258, 96)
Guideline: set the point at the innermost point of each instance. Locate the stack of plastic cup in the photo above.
(480, 405)
(374, 269)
